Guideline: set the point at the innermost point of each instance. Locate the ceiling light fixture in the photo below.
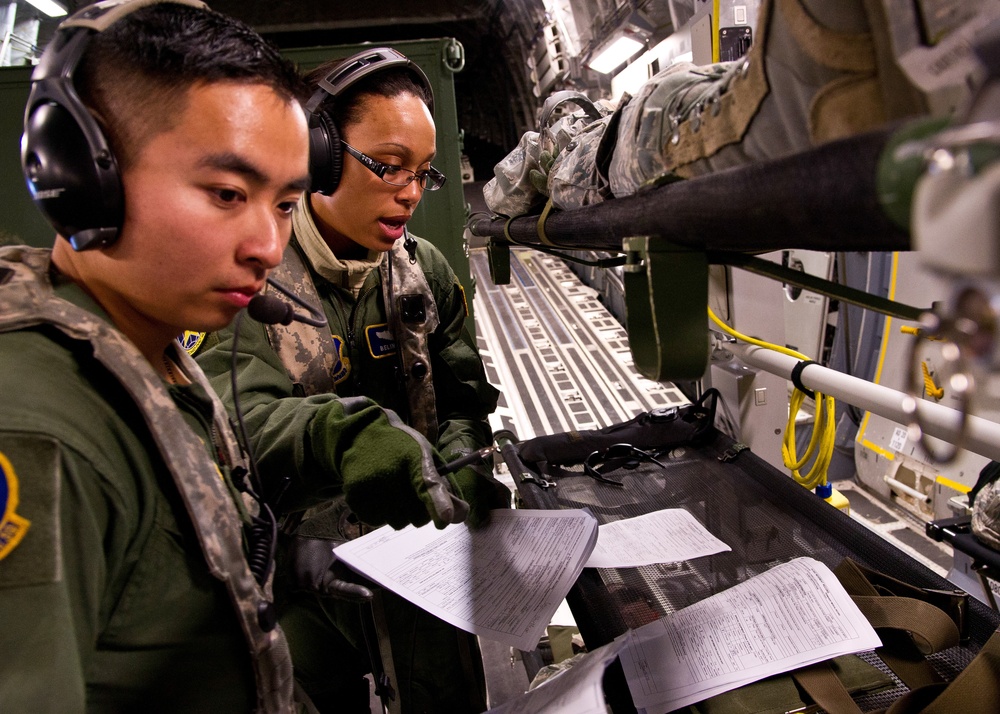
(615, 54)
(49, 7)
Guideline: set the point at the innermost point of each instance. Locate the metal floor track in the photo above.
(559, 357)
(561, 361)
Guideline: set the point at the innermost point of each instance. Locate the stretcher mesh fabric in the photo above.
(759, 512)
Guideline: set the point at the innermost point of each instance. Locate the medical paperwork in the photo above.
(577, 690)
(793, 615)
(667, 536)
(503, 581)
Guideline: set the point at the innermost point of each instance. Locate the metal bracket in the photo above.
(539, 481)
(817, 285)
(666, 299)
(498, 257)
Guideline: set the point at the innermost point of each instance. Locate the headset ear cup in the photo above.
(74, 182)
(326, 156)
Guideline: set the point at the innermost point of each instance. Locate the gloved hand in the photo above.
(481, 491)
(315, 567)
(388, 469)
(540, 177)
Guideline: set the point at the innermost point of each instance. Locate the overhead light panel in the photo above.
(49, 7)
(615, 54)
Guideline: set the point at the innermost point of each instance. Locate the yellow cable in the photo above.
(919, 332)
(932, 389)
(824, 425)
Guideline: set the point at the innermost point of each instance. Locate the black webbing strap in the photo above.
(797, 377)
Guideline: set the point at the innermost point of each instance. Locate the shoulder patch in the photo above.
(465, 302)
(342, 367)
(12, 526)
(381, 342)
(191, 341)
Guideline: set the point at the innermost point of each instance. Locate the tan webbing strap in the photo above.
(308, 353)
(540, 225)
(905, 660)
(824, 686)
(977, 689)
(506, 233)
(931, 627)
(953, 602)
(915, 701)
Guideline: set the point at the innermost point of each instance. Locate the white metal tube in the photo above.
(903, 488)
(981, 435)
(7, 20)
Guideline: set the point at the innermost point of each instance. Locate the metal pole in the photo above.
(7, 22)
(981, 435)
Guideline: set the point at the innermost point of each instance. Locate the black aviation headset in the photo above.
(71, 172)
(326, 155)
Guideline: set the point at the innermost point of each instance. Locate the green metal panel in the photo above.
(440, 217)
(20, 221)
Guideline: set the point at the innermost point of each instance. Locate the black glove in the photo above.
(481, 491)
(315, 567)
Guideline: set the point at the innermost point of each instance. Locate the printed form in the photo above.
(667, 536)
(793, 615)
(577, 690)
(503, 581)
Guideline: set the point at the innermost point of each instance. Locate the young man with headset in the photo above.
(167, 145)
(396, 333)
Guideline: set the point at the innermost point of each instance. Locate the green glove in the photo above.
(540, 177)
(388, 469)
(481, 491)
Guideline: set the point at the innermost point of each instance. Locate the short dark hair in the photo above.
(135, 74)
(344, 109)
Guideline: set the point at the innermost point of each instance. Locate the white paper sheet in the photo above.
(795, 614)
(667, 536)
(503, 581)
(578, 690)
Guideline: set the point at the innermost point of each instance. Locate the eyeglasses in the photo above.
(430, 180)
(614, 457)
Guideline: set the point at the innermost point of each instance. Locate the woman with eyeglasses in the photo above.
(396, 334)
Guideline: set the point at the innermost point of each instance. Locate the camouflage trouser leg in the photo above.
(817, 71)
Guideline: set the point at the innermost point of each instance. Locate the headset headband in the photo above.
(326, 157)
(357, 67)
(70, 170)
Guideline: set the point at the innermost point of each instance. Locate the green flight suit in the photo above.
(330, 662)
(106, 603)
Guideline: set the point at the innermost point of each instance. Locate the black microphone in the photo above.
(272, 311)
(410, 245)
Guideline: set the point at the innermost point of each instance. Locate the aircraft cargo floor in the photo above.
(562, 362)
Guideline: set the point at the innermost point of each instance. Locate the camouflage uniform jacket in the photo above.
(366, 365)
(114, 596)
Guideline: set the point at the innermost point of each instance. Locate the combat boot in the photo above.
(817, 71)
